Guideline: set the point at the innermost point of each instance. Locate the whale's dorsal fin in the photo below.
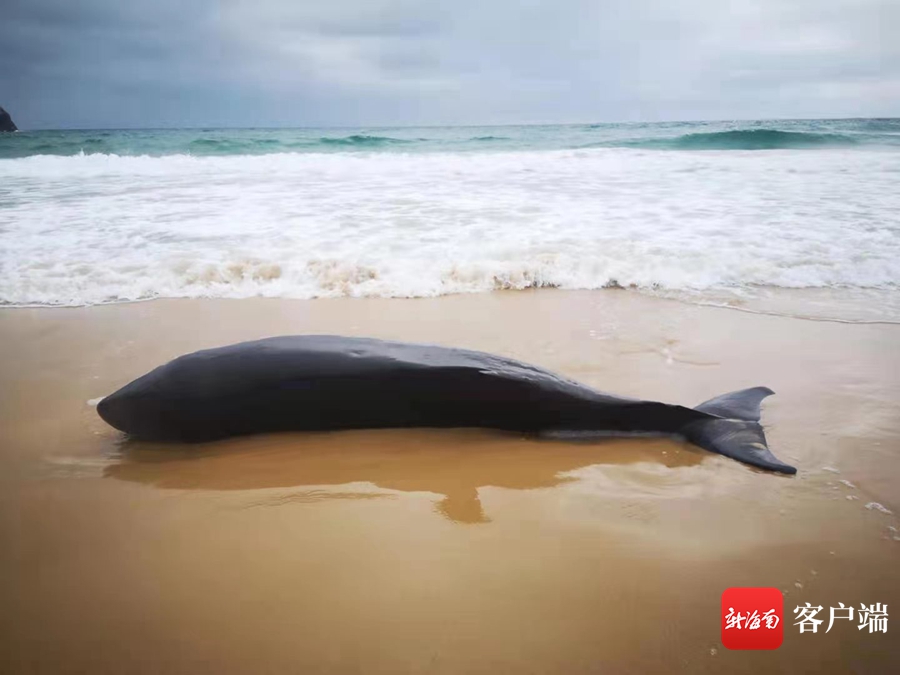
(737, 405)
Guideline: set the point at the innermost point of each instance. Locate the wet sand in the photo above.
(459, 551)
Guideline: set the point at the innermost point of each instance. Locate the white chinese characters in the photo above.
(874, 616)
(807, 615)
(834, 615)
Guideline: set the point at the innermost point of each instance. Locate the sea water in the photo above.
(700, 210)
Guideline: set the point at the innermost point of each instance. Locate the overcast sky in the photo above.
(153, 63)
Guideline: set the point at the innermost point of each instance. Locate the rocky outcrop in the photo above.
(6, 123)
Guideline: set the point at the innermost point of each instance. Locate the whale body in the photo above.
(326, 382)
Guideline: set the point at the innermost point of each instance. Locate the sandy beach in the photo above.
(460, 551)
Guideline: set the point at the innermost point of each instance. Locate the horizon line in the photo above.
(460, 126)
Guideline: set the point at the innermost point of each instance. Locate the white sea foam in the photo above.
(99, 228)
(875, 506)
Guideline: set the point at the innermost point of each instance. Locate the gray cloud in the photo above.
(107, 63)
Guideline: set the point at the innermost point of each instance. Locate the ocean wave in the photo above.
(174, 143)
(102, 228)
(64, 147)
(760, 139)
(835, 134)
(298, 278)
(226, 146)
(363, 141)
(879, 125)
(747, 139)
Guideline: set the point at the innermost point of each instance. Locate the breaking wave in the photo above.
(103, 228)
(759, 139)
(737, 139)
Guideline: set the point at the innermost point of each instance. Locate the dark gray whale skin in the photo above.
(325, 382)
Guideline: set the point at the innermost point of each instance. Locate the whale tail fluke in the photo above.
(734, 430)
(737, 405)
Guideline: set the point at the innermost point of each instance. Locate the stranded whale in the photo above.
(324, 382)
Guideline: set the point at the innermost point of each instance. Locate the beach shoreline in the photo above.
(445, 551)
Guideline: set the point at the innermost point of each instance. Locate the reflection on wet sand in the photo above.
(453, 463)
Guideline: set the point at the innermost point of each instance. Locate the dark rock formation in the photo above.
(6, 123)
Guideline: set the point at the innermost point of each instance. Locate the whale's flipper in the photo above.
(735, 430)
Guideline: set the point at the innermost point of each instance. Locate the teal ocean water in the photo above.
(755, 135)
(705, 211)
